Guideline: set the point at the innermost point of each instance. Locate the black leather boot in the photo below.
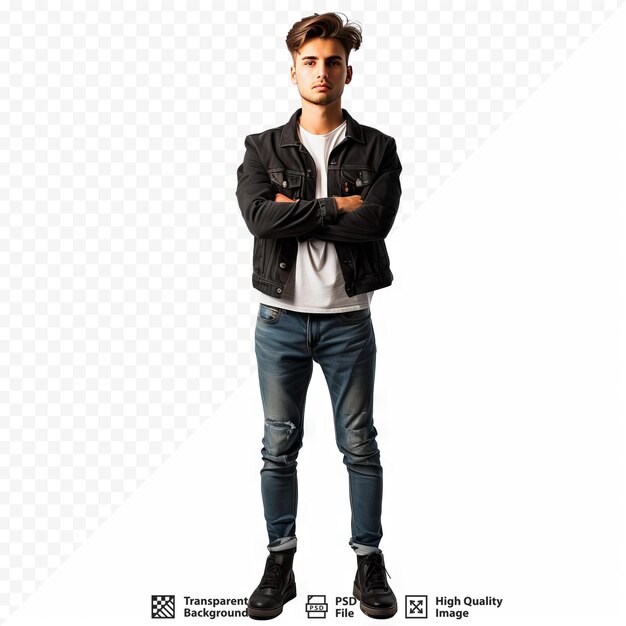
(371, 587)
(277, 586)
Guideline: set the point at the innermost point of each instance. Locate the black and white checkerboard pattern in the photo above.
(163, 607)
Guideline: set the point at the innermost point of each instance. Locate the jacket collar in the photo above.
(289, 136)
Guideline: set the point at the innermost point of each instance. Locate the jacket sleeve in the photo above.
(374, 218)
(268, 219)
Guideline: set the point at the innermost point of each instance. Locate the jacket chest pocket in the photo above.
(356, 180)
(287, 182)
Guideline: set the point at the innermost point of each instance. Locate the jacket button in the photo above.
(285, 183)
(333, 162)
(282, 265)
(279, 290)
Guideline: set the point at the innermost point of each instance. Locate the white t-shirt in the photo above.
(316, 284)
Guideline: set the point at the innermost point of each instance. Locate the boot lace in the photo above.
(375, 574)
(272, 575)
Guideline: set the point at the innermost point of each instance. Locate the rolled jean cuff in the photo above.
(362, 550)
(284, 543)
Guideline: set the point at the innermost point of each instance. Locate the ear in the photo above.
(348, 74)
(292, 74)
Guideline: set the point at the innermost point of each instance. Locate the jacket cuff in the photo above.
(328, 210)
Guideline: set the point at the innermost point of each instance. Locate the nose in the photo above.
(322, 73)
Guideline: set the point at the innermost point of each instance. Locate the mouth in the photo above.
(324, 86)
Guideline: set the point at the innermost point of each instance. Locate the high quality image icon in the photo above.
(415, 607)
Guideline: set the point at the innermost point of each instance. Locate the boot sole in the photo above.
(372, 611)
(254, 613)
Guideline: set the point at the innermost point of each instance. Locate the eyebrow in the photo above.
(328, 59)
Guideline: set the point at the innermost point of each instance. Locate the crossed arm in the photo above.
(337, 218)
(345, 204)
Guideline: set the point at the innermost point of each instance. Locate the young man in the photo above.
(319, 194)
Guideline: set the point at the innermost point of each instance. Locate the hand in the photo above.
(347, 204)
(281, 198)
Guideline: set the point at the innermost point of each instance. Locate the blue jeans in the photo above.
(287, 343)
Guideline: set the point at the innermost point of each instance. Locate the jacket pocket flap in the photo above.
(285, 179)
(358, 176)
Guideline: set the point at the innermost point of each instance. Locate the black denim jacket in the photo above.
(365, 163)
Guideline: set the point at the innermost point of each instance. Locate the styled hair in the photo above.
(326, 25)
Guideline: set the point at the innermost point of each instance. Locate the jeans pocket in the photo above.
(269, 314)
(356, 316)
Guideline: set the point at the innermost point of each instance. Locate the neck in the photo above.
(321, 119)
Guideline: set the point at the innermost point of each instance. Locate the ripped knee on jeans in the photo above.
(281, 441)
(280, 425)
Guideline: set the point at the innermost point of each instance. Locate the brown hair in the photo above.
(327, 25)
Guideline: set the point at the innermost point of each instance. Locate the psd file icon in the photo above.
(316, 607)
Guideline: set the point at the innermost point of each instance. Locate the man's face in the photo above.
(321, 62)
